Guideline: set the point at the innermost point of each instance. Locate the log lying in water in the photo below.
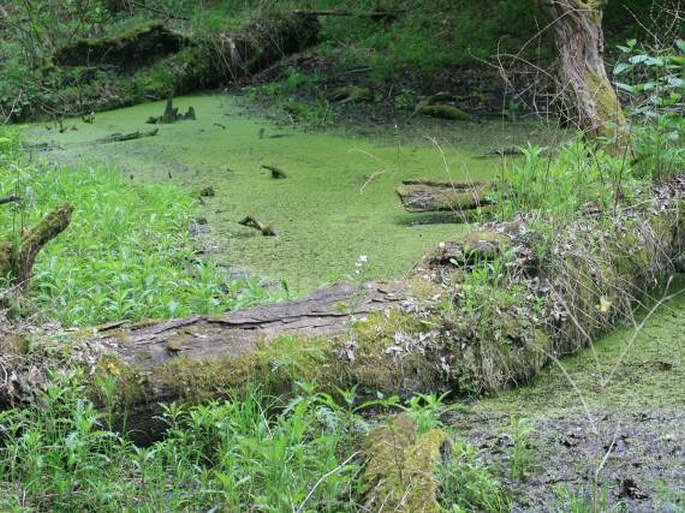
(119, 137)
(428, 195)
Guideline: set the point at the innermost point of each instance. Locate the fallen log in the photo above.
(428, 195)
(161, 362)
(441, 329)
(12, 198)
(204, 62)
(276, 172)
(126, 51)
(119, 137)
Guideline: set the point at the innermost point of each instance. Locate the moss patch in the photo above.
(399, 474)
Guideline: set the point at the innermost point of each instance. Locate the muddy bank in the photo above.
(152, 61)
(591, 432)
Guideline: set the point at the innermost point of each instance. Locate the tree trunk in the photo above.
(590, 100)
(17, 259)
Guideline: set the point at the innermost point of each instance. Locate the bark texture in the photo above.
(427, 195)
(589, 99)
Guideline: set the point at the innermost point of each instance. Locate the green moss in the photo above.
(444, 112)
(395, 351)
(607, 104)
(399, 473)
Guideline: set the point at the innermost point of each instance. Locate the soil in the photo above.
(633, 428)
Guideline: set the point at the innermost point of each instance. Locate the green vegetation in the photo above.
(243, 454)
(344, 180)
(127, 254)
(580, 236)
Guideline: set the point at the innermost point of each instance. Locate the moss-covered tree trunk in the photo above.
(17, 257)
(591, 102)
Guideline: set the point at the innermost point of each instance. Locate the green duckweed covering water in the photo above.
(338, 201)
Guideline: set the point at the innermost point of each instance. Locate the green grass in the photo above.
(248, 454)
(127, 254)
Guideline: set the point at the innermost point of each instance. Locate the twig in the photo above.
(323, 478)
(10, 199)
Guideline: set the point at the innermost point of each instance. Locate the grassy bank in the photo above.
(127, 254)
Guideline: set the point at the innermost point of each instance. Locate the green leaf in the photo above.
(621, 67)
(637, 59)
(680, 44)
(624, 87)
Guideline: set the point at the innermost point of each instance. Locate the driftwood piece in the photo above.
(428, 195)
(119, 137)
(171, 114)
(17, 261)
(251, 222)
(276, 172)
(12, 198)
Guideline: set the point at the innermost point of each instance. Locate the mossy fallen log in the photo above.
(210, 356)
(127, 51)
(131, 136)
(429, 195)
(163, 62)
(477, 326)
(442, 105)
(252, 222)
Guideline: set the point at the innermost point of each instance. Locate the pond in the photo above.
(337, 204)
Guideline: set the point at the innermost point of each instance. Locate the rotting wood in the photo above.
(119, 137)
(276, 172)
(12, 198)
(171, 114)
(429, 195)
(252, 222)
(16, 260)
(147, 347)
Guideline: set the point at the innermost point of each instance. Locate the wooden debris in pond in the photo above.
(276, 172)
(428, 195)
(223, 127)
(207, 192)
(190, 114)
(119, 137)
(506, 150)
(251, 222)
(442, 105)
(171, 114)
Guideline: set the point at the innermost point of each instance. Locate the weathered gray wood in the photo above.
(326, 312)
(429, 195)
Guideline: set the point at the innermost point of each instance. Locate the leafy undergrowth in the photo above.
(127, 254)
(250, 454)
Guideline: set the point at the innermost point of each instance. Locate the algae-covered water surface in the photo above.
(336, 205)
